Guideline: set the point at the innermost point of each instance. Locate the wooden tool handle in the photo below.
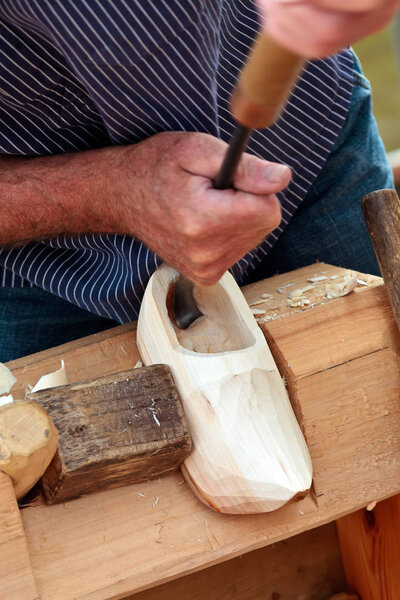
(382, 214)
(265, 83)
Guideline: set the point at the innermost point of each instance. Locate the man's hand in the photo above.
(167, 200)
(159, 191)
(318, 28)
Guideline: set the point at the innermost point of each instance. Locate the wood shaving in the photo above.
(7, 379)
(156, 420)
(138, 365)
(281, 289)
(308, 288)
(335, 276)
(6, 400)
(296, 299)
(256, 302)
(267, 296)
(268, 318)
(297, 302)
(317, 278)
(258, 311)
(362, 282)
(54, 379)
(336, 290)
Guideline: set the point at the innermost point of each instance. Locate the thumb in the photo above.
(202, 154)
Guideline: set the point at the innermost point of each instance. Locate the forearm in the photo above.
(70, 193)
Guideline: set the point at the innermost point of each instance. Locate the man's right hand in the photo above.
(166, 199)
(159, 191)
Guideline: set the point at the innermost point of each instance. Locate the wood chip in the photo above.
(336, 290)
(297, 302)
(50, 380)
(317, 278)
(371, 505)
(268, 318)
(258, 311)
(7, 379)
(257, 302)
(138, 365)
(6, 400)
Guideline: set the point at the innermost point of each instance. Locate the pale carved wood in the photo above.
(28, 441)
(249, 454)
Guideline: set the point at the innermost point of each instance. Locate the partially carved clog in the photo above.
(249, 453)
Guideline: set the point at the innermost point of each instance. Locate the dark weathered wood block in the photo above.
(115, 430)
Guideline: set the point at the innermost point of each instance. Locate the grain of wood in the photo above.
(369, 542)
(306, 566)
(356, 453)
(16, 576)
(381, 211)
(114, 430)
(344, 596)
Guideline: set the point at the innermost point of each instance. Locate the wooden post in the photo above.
(16, 575)
(369, 542)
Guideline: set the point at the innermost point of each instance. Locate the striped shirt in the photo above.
(80, 74)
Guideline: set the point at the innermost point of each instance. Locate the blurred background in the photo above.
(382, 67)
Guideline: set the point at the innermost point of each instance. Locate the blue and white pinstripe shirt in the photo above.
(80, 74)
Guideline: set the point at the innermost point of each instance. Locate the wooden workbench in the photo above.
(118, 543)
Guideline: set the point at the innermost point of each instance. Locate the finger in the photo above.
(203, 155)
(355, 6)
(233, 210)
(316, 31)
(213, 268)
(257, 176)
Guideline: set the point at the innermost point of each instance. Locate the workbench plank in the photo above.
(16, 576)
(307, 566)
(109, 543)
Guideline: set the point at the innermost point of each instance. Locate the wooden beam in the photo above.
(306, 566)
(370, 547)
(16, 577)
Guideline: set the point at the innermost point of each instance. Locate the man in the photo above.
(111, 117)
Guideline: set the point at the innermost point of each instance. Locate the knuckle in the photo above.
(274, 216)
(209, 275)
(201, 259)
(191, 230)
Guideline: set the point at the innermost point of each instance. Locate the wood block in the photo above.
(118, 429)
